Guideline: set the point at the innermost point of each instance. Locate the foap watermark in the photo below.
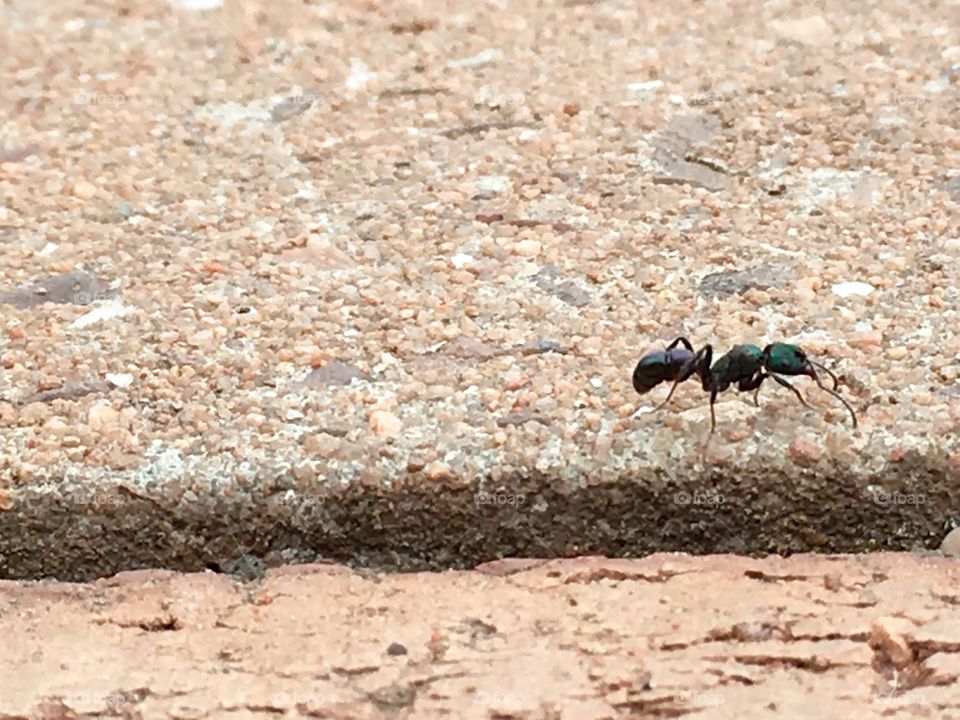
(96, 498)
(499, 497)
(294, 700)
(302, 99)
(907, 99)
(889, 498)
(84, 97)
(301, 503)
(892, 698)
(700, 699)
(498, 699)
(114, 702)
(86, 297)
(705, 99)
(698, 497)
(902, 701)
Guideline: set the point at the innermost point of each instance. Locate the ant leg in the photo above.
(680, 341)
(791, 388)
(669, 394)
(713, 417)
(703, 360)
(753, 383)
(837, 395)
(696, 365)
(713, 426)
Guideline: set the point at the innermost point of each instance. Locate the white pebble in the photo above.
(492, 184)
(107, 311)
(197, 4)
(528, 248)
(462, 260)
(645, 86)
(360, 74)
(384, 423)
(845, 289)
(479, 60)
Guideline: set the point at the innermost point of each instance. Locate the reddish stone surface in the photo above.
(589, 638)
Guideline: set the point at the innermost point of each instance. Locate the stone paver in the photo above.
(664, 637)
(300, 280)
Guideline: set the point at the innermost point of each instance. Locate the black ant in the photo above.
(746, 366)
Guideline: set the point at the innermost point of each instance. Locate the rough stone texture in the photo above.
(376, 276)
(664, 637)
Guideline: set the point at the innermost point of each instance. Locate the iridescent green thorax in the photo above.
(748, 351)
(786, 359)
(741, 359)
(741, 362)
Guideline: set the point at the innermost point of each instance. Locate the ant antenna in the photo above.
(836, 382)
(837, 395)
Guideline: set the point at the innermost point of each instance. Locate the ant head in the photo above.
(786, 359)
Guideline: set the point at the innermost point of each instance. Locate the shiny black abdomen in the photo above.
(659, 366)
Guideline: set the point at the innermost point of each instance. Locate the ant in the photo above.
(746, 366)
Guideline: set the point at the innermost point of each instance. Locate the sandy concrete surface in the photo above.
(298, 281)
(668, 636)
(367, 281)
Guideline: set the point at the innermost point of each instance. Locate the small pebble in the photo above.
(804, 451)
(718, 454)
(256, 420)
(865, 340)
(833, 582)
(528, 248)
(462, 260)
(811, 30)
(84, 190)
(120, 380)
(645, 86)
(888, 635)
(951, 544)
(321, 444)
(591, 346)
(101, 416)
(482, 58)
(437, 471)
(196, 4)
(385, 424)
(492, 184)
(203, 339)
(846, 289)
(739, 432)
